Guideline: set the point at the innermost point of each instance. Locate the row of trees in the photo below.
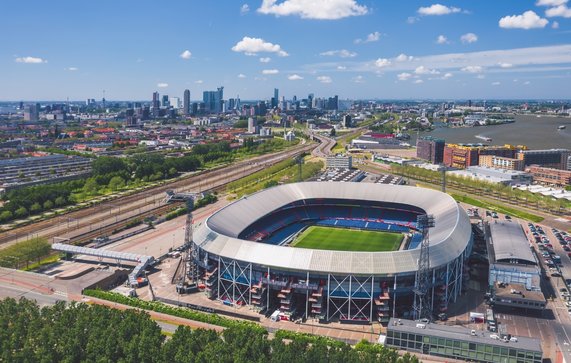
(35, 199)
(84, 333)
(22, 253)
(495, 190)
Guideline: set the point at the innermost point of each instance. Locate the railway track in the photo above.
(128, 205)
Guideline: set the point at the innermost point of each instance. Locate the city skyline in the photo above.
(354, 49)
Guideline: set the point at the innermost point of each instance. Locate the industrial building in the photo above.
(514, 275)
(33, 170)
(492, 175)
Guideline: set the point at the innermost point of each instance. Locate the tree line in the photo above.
(111, 174)
(94, 333)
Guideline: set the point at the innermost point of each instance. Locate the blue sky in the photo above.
(394, 49)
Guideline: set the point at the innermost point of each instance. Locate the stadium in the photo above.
(332, 251)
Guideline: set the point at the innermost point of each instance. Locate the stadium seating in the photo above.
(277, 226)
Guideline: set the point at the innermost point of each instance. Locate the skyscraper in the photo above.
(166, 102)
(156, 104)
(186, 102)
(213, 100)
(275, 99)
(32, 112)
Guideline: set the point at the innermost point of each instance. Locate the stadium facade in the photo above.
(243, 254)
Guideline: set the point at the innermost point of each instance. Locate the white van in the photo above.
(275, 316)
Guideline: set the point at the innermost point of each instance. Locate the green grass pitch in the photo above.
(337, 239)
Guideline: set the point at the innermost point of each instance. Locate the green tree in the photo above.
(6, 216)
(107, 165)
(21, 212)
(35, 208)
(60, 201)
(90, 187)
(116, 183)
(48, 204)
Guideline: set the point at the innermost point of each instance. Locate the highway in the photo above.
(96, 220)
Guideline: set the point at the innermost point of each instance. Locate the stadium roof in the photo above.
(510, 243)
(450, 237)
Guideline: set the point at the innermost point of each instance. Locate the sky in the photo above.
(357, 49)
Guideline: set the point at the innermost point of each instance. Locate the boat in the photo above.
(485, 138)
(562, 127)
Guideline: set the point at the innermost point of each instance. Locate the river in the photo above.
(534, 132)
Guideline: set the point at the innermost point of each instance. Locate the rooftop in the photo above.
(461, 333)
(509, 242)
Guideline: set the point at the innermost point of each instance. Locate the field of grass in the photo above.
(337, 239)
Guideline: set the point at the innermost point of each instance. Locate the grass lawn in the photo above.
(337, 239)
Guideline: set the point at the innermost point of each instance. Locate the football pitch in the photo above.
(337, 239)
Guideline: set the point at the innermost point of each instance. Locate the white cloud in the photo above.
(555, 25)
(472, 69)
(533, 59)
(244, 9)
(265, 59)
(442, 39)
(527, 20)
(403, 58)
(252, 46)
(270, 71)
(358, 79)
(418, 81)
(561, 10)
(341, 68)
(241, 75)
(324, 79)
(199, 81)
(424, 70)
(294, 77)
(527, 82)
(72, 69)
(162, 85)
(404, 76)
(372, 37)
(412, 19)
(343, 53)
(30, 60)
(382, 62)
(447, 75)
(505, 65)
(438, 9)
(469, 38)
(186, 54)
(550, 2)
(496, 83)
(313, 9)
(480, 76)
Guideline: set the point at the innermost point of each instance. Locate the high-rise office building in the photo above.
(275, 99)
(174, 102)
(156, 104)
(186, 102)
(213, 100)
(165, 102)
(347, 121)
(32, 112)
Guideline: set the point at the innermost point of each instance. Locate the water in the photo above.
(532, 131)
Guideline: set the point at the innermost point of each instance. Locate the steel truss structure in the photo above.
(351, 298)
